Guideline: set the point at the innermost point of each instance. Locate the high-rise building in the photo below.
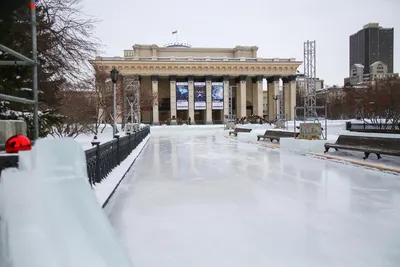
(371, 44)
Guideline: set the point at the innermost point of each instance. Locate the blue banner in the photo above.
(182, 96)
(217, 95)
(199, 95)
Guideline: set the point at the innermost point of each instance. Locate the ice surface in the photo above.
(195, 198)
(51, 214)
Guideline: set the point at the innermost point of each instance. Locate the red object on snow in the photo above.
(18, 143)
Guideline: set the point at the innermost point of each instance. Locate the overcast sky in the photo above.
(278, 28)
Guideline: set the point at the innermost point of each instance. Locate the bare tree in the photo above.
(65, 44)
(102, 99)
(376, 103)
(72, 33)
(78, 114)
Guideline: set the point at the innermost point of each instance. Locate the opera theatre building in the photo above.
(195, 82)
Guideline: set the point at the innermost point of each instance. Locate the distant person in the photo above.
(190, 121)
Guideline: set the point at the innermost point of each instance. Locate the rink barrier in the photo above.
(373, 127)
(100, 159)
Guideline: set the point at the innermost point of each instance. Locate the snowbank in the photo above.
(302, 146)
(58, 221)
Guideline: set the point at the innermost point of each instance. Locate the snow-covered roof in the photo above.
(358, 65)
(377, 63)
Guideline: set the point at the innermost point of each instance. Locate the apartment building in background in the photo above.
(371, 54)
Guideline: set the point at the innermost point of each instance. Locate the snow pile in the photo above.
(58, 221)
(303, 146)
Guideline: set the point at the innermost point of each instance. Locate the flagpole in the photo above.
(177, 37)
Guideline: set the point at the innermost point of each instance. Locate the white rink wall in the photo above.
(303, 146)
(50, 216)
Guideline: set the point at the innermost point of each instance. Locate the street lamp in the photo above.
(114, 78)
(276, 98)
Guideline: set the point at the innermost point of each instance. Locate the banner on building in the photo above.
(217, 95)
(182, 96)
(199, 95)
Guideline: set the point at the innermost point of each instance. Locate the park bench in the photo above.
(239, 130)
(276, 135)
(367, 144)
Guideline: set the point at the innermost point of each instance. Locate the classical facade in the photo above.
(195, 82)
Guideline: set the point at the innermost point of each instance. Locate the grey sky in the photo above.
(278, 28)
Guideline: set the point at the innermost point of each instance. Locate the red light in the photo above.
(18, 143)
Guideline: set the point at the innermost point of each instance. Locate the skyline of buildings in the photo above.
(370, 54)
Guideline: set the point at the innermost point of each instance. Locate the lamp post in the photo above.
(276, 98)
(114, 78)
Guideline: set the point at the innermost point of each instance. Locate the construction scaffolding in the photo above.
(230, 120)
(132, 111)
(231, 101)
(310, 76)
(281, 99)
(25, 61)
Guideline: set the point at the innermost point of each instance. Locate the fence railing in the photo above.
(371, 126)
(101, 159)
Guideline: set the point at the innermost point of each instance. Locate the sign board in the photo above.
(182, 96)
(310, 130)
(199, 95)
(217, 95)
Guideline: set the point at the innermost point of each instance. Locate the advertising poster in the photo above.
(199, 95)
(217, 95)
(182, 96)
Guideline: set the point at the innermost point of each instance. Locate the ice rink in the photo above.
(197, 199)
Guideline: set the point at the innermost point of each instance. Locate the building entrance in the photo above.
(199, 116)
(217, 116)
(183, 115)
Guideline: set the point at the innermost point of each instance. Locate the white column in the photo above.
(154, 87)
(273, 92)
(286, 98)
(172, 86)
(237, 97)
(258, 96)
(242, 96)
(271, 104)
(277, 93)
(191, 99)
(208, 102)
(226, 96)
(293, 92)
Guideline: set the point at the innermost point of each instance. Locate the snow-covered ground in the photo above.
(195, 198)
(104, 136)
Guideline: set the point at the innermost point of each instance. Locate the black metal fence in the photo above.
(101, 159)
(373, 127)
